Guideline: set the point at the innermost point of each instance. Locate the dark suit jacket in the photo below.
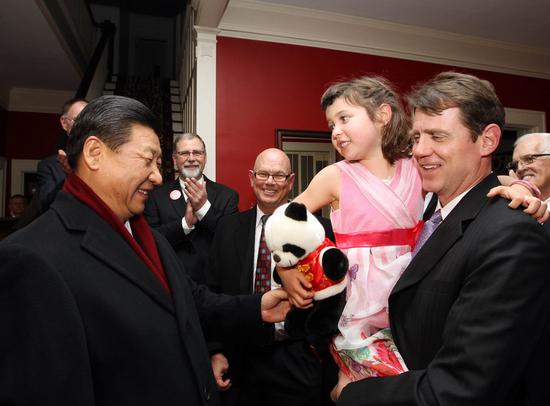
(85, 322)
(165, 215)
(470, 313)
(231, 259)
(50, 181)
(287, 364)
(546, 227)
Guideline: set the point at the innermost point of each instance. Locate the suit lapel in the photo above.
(216, 196)
(172, 267)
(117, 254)
(210, 190)
(446, 235)
(245, 248)
(103, 243)
(179, 204)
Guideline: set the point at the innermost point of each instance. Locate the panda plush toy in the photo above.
(297, 239)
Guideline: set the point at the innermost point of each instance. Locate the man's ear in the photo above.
(63, 122)
(291, 180)
(251, 177)
(490, 138)
(92, 152)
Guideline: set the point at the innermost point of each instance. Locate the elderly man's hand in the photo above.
(190, 217)
(274, 305)
(220, 366)
(196, 193)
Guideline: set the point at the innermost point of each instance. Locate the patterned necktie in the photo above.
(262, 280)
(429, 228)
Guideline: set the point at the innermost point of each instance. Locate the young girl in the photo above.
(377, 201)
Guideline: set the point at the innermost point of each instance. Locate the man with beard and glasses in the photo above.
(187, 209)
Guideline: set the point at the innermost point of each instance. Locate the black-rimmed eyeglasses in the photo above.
(277, 177)
(524, 160)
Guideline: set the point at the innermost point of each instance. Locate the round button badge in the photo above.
(175, 194)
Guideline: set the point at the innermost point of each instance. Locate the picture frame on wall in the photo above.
(23, 176)
(308, 152)
(3, 167)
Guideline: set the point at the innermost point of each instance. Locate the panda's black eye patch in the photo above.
(294, 249)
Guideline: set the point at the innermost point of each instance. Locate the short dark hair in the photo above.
(110, 118)
(69, 103)
(370, 92)
(476, 99)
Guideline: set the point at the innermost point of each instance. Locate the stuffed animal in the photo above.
(296, 238)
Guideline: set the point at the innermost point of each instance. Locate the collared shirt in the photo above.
(258, 228)
(446, 210)
(199, 213)
(280, 333)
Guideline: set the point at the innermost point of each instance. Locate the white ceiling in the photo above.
(524, 22)
(31, 56)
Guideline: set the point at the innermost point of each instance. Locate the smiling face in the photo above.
(190, 158)
(538, 171)
(269, 193)
(354, 135)
(124, 178)
(450, 161)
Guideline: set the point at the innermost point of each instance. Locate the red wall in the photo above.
(262, 86)
(31, 135)
(3, 125)
(26, 136)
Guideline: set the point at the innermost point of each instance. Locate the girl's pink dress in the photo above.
(376, 225)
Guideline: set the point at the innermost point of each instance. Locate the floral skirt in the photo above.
(379, 357)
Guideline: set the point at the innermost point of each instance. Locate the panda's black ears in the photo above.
(296, 211)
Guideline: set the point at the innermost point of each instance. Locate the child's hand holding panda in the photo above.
(297, 240)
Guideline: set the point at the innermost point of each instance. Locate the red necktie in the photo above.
(262, 280)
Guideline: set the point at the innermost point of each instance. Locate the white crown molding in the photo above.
(38, 100)
(299, 26)
(209, 12)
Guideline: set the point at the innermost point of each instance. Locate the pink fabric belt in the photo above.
(397, 236)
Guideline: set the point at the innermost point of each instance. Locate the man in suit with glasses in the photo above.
(531, 161)
(292, 371)
(186, 210)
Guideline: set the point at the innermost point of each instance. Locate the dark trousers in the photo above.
(286, 373)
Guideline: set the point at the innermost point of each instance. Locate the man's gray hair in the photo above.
(187, 136)
(543, 137)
